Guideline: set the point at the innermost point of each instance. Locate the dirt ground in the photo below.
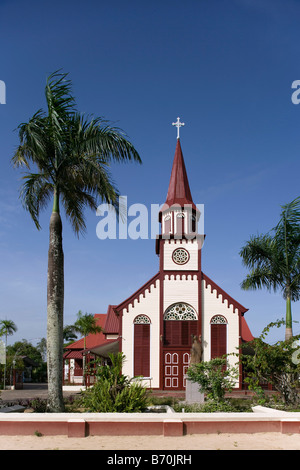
(258, 441)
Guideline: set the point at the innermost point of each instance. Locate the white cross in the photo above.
(178, 124)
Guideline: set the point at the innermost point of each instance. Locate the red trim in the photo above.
(224, 294)
(136, 295)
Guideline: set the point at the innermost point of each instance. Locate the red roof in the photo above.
(73, 354)
(245, 331)
(179, 192)
(112, 321)
(92, 340)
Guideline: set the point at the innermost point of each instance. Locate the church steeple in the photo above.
(179, 193)
(179, 214)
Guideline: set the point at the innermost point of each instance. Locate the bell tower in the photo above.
(179, 249)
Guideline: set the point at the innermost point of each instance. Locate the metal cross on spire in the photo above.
(178, 124)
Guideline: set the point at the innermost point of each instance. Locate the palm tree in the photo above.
(71, 154)
(69, 334)
(42, 348)
(85, 325)
(7, 328)
(274, 260)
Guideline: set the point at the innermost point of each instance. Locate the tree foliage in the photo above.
(115, 392)
(277, 364)
(86, 324)
(274, 259)
(214, 377)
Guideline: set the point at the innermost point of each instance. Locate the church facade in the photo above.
(155, 327)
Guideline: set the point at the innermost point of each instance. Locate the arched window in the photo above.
(218, 335)
(180, 311)
(180, 323)
(180, 224)
(168, 227)
(142, 346)
(193, 223)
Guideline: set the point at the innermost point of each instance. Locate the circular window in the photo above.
(180, 256)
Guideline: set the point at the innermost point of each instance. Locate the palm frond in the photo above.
(59, 96)
(35, 194)
(86, 184)
(32, 141)
(288, 226)
(260, 277)
(259, 250)
(72, 152)
(98, 137)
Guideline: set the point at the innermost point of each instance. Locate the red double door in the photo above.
(176, 352)
(176, 363)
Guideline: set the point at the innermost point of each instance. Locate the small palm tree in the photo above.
(69, 334)
(70, 155)
(274, 260)
(86, 325)
(7, 328)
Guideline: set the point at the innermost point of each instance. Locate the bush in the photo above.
(39, 405)
(276, 364)
(214, 377)
(114, 392)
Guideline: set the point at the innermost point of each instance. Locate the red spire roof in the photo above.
(179, 192)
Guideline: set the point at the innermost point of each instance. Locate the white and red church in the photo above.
(155, 326)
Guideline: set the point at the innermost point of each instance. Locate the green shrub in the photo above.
(38, 405)
(113, 392)
(214, 377)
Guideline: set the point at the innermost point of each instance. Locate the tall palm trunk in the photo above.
(55, 307)
(288, 320)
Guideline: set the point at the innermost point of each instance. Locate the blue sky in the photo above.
(225, 67)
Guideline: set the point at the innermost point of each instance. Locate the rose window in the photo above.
(180, 256)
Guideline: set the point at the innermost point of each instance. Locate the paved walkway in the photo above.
(29, 391)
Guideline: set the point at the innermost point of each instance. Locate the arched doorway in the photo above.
(180, 324)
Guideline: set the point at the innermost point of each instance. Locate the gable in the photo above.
(221, 294)
(137, 296)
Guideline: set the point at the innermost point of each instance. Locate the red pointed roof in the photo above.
(112, 321)
(179, 192)
(245, 331)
